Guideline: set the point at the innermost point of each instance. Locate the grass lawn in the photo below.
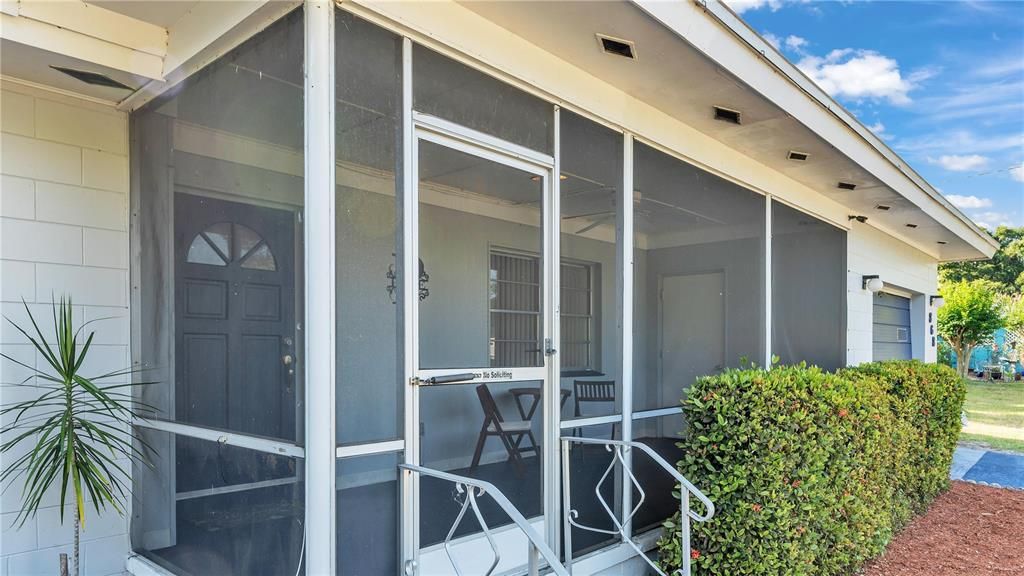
(995, 415)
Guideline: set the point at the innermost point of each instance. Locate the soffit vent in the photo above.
(846, 186)
(883, 207)
(911, 225)
(617, 46)
(727, 115)
(798, 156)
(93, 78)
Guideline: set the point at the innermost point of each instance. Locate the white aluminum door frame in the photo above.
(419, 126)
(319, 177)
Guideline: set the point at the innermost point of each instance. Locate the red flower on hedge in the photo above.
(843, 413)
(797, 483)
(757, 507)
(694, 554)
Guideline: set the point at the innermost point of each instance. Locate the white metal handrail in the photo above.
(620, 448)
(473, 489)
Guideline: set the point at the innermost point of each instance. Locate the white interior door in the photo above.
(692, 331)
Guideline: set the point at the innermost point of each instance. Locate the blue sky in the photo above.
(942, 82)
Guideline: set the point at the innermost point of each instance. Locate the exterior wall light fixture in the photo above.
(872, 283)
(936, 301)
(392, 290)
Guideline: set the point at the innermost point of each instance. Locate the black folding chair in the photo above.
(511, 432)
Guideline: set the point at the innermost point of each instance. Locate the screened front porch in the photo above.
(299, 287)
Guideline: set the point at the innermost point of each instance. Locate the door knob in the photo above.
(287, 359)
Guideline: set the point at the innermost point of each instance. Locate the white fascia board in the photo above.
(53, 38)
(462, 34)
(98, 23)
(202, 25)
(738, 49)
(206, 32)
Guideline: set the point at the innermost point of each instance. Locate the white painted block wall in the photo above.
(63, 230)
(871, 251)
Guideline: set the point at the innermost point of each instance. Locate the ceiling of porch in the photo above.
(671, 75)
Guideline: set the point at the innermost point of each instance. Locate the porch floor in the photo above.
(259, 532)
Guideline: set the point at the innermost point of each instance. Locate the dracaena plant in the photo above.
(77, 430)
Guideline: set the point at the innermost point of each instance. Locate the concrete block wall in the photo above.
(63, 231)
(901, 266)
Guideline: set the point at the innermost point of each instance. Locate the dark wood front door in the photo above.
(235, 325)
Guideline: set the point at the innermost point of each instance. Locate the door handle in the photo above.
(445, 379)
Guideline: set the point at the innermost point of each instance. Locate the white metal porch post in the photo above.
(767, 282)
(626, 303)
(551, 214)
(409, 244)
(320, 310)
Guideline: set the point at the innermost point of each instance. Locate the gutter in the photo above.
(734, 24)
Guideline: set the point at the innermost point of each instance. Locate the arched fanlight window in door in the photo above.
(224, 243)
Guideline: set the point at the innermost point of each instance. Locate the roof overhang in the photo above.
(693, 55)
(761, 66)
(549, 49)
(147, 46)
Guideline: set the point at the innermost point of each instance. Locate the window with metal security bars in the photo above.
(515, 297)
(515, 310)
(577, 316)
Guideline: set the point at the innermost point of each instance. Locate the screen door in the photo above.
(484, 345)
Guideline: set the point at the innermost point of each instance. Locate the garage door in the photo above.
(891, 327)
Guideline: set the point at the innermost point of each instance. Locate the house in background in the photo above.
(349, 238)
(1000, 354)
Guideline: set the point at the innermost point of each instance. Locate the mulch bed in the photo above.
(971, 530)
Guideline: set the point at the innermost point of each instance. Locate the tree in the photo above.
(78, 429)
(1005, 268)
(1015, 330)
(971, 312)
(1015, 314)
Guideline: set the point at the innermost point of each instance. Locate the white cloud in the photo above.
(960, 140)
(772, 39)
(791, 42)
(878, 128)
(860, 75)
(967, 202)
(981, 96)
(991, 220)
(795, 43)
(1017, 173)
(1007, 65)
(956, 163)
(741, 6)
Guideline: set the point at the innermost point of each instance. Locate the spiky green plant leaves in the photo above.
(78, 428)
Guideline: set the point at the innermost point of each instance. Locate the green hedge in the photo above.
(813, 472)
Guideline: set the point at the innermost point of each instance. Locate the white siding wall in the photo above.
(63, 230)
(913, 273)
